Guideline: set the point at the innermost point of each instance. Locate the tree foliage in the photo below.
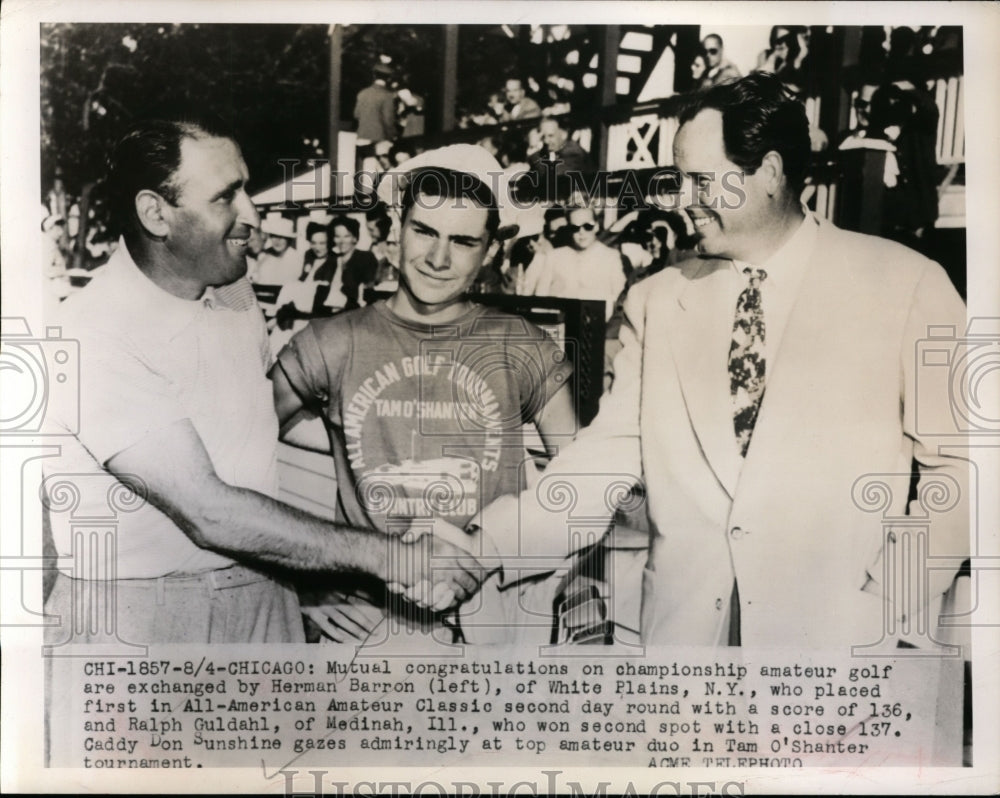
(270, 82)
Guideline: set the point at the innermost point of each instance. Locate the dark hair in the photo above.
(758, 116)
(382, 223)
(715, 36)
(377, 210)
(351, 225)
(515, 148)
(434, 181)
(147, 158)
(315, 227)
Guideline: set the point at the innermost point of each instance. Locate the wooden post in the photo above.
(449, 78)
(336, 34)
(849, 48)
(861, 193)
(608, 91)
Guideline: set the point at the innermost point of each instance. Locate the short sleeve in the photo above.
(549, 369)
(304, 366)
(123, 398)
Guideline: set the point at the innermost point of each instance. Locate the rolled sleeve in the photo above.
(302, 362)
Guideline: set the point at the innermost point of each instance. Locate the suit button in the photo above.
(736, 533)
(718, 604)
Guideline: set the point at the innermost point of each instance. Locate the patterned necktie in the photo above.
(746, 359)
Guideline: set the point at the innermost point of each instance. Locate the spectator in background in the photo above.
(379, 227)
(255, 248)
(774, 57)
(556, 232)
(526, 254)
(296, 301)
(560, 149)
(699, 66)
(375, 108)
(383, 155)
(318, 237)
(907, 117)
(348, 273)
(280, 263)
(519, 105)
(57, 285)
(410, 113)
(719, 69)
(587, 269)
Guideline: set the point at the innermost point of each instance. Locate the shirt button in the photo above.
(736, 533)
(718, 604)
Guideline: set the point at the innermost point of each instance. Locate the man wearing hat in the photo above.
(280, 263)
(424, 394)
(375, 108)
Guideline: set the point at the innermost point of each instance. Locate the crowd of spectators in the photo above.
(333, 264)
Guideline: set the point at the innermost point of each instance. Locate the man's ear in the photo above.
(150, 207)
(772, 168)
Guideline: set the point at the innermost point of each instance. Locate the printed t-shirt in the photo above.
(425, 420)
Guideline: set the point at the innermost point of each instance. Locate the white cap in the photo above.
(469, 158)
(531, 221)
(278, 226)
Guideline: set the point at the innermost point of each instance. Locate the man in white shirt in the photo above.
(175, 405)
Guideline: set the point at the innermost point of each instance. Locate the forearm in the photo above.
(247, 525)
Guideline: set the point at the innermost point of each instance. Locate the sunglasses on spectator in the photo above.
(588, 226)
(712, 50)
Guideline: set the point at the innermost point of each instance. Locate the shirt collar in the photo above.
(791, 255)
(172, 314)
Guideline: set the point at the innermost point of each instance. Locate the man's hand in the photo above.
(431, 571)
(344, 618)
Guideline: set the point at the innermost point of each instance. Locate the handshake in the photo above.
(434, 564)
(438, 565)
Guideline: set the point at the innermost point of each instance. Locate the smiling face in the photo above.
(210, 224)
(442, 248)
(344, 241)
(726, 223)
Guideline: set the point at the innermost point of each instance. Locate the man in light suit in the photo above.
(759, 388)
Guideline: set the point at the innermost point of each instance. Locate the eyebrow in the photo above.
(423, 228)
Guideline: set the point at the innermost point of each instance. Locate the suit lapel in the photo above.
(701, 334)
(800, 374)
